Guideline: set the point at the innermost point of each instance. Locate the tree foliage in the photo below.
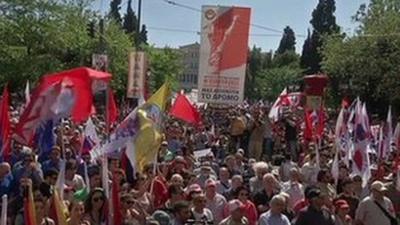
(324, 23)
(39, 37)
(268, 74)
(288, 41)
(115, 7)
(130, 21)
(368, 62)
(165, 65)
(143, 35)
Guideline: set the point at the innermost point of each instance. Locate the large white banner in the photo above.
(223, 54)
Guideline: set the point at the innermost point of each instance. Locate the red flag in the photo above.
(84, 80)
(5, 125)
(48, 103)
(112, 112)
(308, 133)
(29, 207)
(345, 102)
(116, 203)
(321, 122)
(184, 110)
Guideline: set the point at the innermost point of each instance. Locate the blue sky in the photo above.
(159, 16)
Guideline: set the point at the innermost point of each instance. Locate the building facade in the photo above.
(190, 61)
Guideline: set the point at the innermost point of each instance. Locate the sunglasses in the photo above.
(130, 202)
(98, 199)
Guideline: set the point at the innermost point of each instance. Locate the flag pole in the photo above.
(62, 139)
(107, 111)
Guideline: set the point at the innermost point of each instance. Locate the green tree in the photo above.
(255, 63)
(266, 76)
(271, 82)
(324, 23)
(40, 37)
(118, 46)
(165, 65)
(143, 35)
(130, 21)
(115, 7)
(288, 41)
(368, 62)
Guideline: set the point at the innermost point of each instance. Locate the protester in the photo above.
(236, 214)
(224, 183)
(315, 213)
(215, 202)
(256, 182)
(293, 188)
(199, 211)
(229, 184)
(341, 216)
(261, 199)
(94, 207)
(249, 209)
(182, 213)
(349, 196)
(77, 210)
(274, 215)
(376, 208)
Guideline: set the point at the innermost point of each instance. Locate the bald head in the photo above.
(4, 169)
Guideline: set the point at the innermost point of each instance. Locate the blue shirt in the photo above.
(6, 185)
(174, 145)
(49, 164)
(273, 219)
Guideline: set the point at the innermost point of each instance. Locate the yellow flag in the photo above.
(148, 139)
(160, 98)
(60, 208)
(147, 142)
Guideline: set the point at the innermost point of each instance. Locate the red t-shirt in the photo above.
(160, 192)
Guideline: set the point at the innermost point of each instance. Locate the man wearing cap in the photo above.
(215, 202)
(236, 216)
(375, 209)
(165, 154)
(315, 214)
(342, 209)
(349, 196)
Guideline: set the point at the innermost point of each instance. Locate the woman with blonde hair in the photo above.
(76, 211)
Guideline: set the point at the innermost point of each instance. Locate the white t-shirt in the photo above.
(295, 190)
(207, 214)
(217, 206)
(77, 182)
(370, 214)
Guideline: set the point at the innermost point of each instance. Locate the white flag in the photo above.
(61, 179)
(398, 179)
(64, 102)
(87, 181)
(104, 173)
(396, 137)
(90, 132)
(27, 93)
(339, 129)
(273, 114)
(4, 203)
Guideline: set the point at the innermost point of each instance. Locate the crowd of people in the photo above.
(256, 171)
